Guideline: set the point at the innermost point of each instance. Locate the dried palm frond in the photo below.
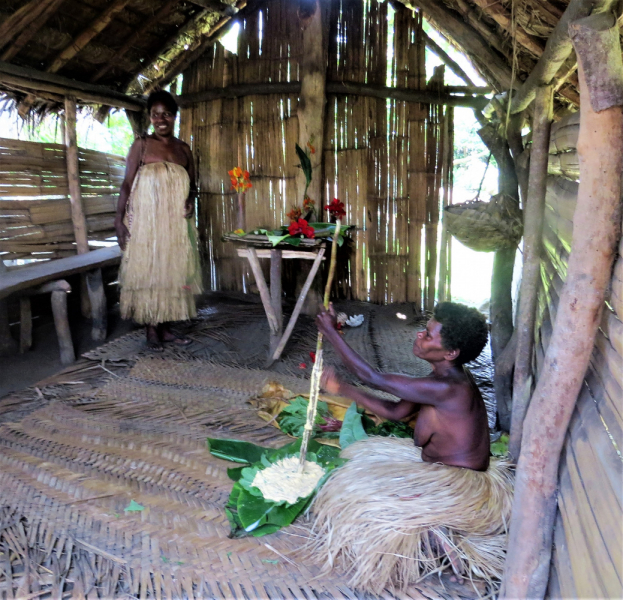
(387, 519)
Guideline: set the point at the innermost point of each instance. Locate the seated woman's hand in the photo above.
(326, 321)
(329, 381)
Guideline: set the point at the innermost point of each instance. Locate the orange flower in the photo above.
(239, 179)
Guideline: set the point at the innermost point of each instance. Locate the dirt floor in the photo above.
(125, 425)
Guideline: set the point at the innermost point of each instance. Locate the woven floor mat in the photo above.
(69, 471)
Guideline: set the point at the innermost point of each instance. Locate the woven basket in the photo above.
(486, 226)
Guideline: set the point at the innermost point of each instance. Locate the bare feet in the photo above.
(153, 340)
(167, 336)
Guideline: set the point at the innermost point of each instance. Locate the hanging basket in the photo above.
(486, 226)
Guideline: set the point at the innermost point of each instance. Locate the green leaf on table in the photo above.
(352, 427)
(292, 240)
(134, 507)
(236, 450)
(276, 239)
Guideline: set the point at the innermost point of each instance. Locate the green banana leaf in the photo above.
(236, 451)
(352, 427)
(305, 165)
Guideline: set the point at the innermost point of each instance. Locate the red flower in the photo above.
(336, 209)
(302, 366)
(312, 355)
(300, 227)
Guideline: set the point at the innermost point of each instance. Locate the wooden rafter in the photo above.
(435, 48)
(29, 32)
(21, 19)
(225, 10)
(95, 28)
(166, 8)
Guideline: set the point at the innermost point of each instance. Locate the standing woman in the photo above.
(160, 271)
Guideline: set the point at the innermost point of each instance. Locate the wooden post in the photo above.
(501, 282)
(275, 297)
(596, 229)
(445, 252)
(25, 324)
(533, 213)
(94, 284)
(61, 323)
(7, 343)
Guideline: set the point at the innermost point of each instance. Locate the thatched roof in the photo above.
(133, 46)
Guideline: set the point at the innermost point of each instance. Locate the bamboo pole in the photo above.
(532, 252)
(596, 230)
(314, 390)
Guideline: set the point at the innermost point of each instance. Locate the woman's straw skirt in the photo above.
(387, 519)
(160, 272)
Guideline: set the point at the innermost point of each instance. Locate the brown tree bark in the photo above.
(532, 253)
(596, 230)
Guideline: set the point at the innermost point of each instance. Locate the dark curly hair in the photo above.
(462, 328)
(162, 97)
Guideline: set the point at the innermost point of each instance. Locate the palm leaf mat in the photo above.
(77, 449)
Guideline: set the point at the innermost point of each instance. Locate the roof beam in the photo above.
(225, 10)
(20, 19)
(557, 49)
(147, 25)
(30, 30)
(489, 62)
(95, 28)
(31, 79)
(454, 66)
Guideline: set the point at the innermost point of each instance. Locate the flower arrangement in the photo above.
(336, 209)
(239, 180)
(301, 227)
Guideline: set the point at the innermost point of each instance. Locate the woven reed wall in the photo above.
(35, 214)
(588, 557)
(380, 157)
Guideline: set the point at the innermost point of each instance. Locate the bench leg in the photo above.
(275, 298)
(25, 325)
(61, 322)
(97, 296)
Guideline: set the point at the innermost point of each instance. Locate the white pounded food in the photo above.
(282, 481)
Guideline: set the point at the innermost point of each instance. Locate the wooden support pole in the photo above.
(299, 305)
(557, 50)
(263, 289)
(7, 343)
(275, 298)
(61, 323)
(596, 229)
(25, 324)
(533, 213)
(94, 286)
(445, 252)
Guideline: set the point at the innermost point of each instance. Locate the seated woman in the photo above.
(160, 272)
(399, 510)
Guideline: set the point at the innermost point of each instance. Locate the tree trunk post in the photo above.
(596, 229)
(501, 312)
(311, 114)
(533, 213)
(94, 285)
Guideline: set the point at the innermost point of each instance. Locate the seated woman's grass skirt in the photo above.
(386, 518)
(160, 272)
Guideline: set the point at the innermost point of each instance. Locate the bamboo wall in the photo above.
(588, 557)
(381, 158)
(35, 214)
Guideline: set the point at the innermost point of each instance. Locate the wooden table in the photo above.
(271, 299)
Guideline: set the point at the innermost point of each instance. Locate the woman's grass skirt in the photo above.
(387, 519)
(160, 271)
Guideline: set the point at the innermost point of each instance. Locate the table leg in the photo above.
(275, 298)
(263, 289)
(61, 322)
(298, 307)
(25, 324)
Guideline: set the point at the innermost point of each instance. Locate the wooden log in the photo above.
(61, 323)
(20, 19)
(217, 7)
(338, 88)
(161, 14)
(47, 8)
(596, 230)
(35, 80)
(557, 50)
(25, 325)
(97, 302)
(275, 298)
(7, 343)
(95, 28)
(532, 255)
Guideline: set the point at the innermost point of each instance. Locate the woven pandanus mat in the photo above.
(70, 471)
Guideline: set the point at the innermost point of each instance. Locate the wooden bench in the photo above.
(48, 277)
